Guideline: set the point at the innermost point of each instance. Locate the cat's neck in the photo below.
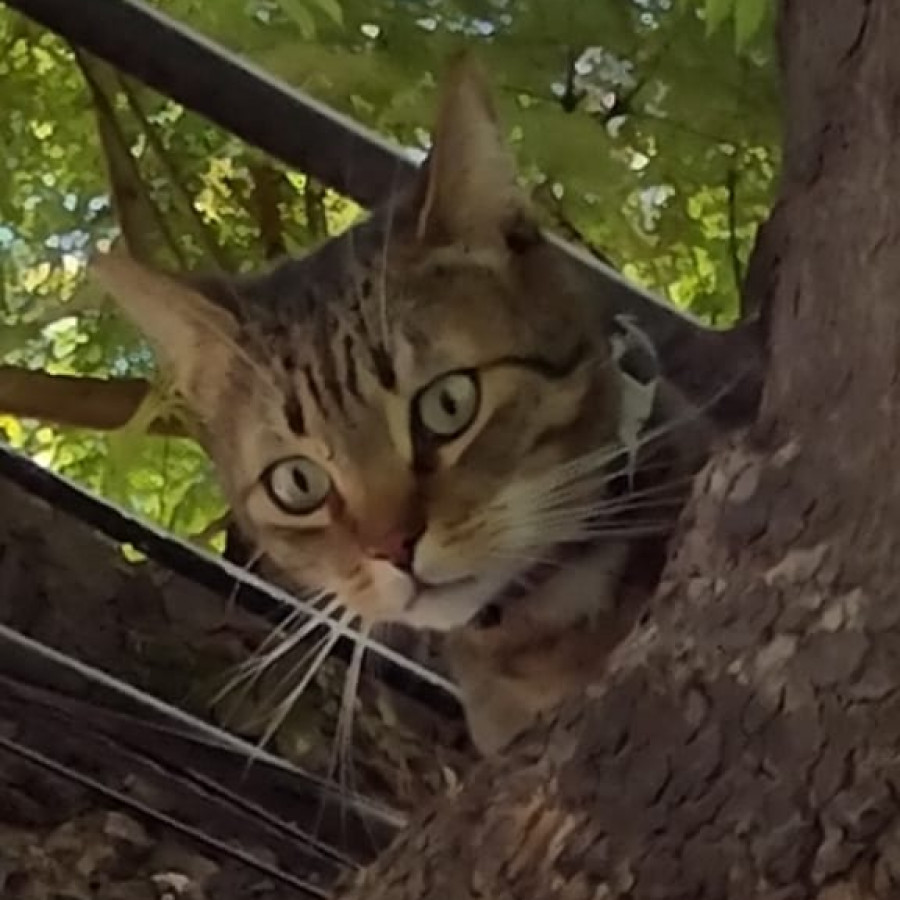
(530, 650)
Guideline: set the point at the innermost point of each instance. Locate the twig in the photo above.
(266, 207)
(210, 246)
(137, 213)
(737, 269)
(313, 202)
(544, 197)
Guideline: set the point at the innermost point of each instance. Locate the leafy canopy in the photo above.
(647, 131)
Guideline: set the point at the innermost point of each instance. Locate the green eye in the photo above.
(297, 485)
(448, 406)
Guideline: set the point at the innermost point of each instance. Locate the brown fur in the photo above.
(324, 358)
(559, 639)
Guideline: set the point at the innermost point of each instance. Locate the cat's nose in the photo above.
(397, 547)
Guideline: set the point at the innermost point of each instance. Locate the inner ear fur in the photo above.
(194, 338)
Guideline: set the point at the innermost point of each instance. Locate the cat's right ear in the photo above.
(470, 191)
(194, 339)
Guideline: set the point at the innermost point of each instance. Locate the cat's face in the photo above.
(415, 488)
(402, 418)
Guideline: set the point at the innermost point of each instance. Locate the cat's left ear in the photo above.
(470, 192)
(193, 338)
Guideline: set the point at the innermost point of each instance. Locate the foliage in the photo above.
(641, 129)
(748, 17)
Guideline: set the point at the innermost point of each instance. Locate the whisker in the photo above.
(343, 739)
(573, 531)
(539, 521)
(250, 670)
(284, 679)
(620, 532)
(593, 504)
(283, 629)
(519, 557)
(660, 503)
(561, 477)
(554, 488)
(321, 651)
(279, 595)
(289, 676)
(595, 465)
(246, 567)
(275, 717)
(329, 609)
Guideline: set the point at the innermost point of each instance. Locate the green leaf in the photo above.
(298, 12)
(749, 16)
(13, 336)
(332, 9)
(717, 11)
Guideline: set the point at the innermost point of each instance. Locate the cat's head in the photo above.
(407, 416)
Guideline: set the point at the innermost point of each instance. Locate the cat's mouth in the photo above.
(442, 606)
(469, 601)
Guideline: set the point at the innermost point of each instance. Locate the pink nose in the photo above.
(398, 547)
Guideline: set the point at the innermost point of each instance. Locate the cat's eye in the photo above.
(448, 406)
(297, 485)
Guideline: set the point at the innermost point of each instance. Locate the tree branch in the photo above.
(265, 207)
(544, 197)
(737, 268)
(144, 228)
(78, 402)
(314, 205)
(176, 182)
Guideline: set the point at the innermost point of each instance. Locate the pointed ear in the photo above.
(193, 338)
(470, 193)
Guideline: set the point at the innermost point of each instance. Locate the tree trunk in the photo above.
(746, 744)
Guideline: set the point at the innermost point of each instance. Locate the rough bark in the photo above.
(746, 744)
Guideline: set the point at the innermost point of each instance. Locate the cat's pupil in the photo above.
(301, 481)
(448, 404)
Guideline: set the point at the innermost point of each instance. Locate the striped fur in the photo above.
(324, 358)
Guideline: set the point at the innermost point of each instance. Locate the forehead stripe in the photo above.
(293, 413)
(350, 372)
(384, 367)
(313, 389)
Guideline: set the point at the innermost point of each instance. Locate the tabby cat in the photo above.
(424, 417)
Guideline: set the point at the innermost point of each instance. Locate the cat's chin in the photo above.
(398, 596)
(445, 607)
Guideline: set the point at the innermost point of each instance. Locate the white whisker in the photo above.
(232, 594)
(342, 755)
(319, 652)
(250, 670)
(284, 628)
(521, 556)
(278, 594)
